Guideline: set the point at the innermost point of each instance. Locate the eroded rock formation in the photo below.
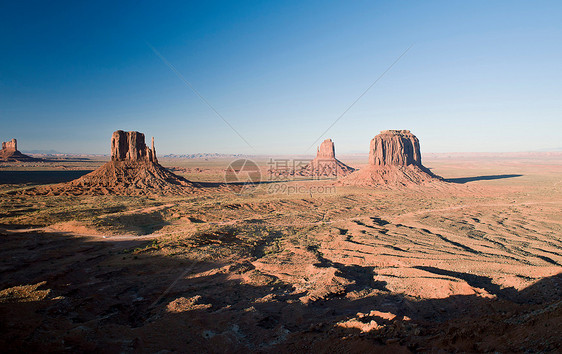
(11, 145)
(326, 150)
(10, 152)
(325, 164)
(395, 147)
(130, 146)
(394, 160)
(133, 170)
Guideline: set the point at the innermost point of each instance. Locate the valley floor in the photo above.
(475, 265)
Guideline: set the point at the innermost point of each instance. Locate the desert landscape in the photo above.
(461, 253)
(281, 177)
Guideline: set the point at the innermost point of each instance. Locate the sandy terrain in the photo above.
(471, 265)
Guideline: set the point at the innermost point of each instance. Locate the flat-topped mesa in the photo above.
(11, 145)
(394, 162)
(395, 147)
(130, 146)
(326, 150)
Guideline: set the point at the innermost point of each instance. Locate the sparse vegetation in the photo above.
(405, 266)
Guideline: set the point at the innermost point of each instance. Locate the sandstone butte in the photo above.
(130, 146)
(394, 161)
(325, 164)
(10, 152)
(133, 170)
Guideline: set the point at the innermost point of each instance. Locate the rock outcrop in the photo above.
(11, 145)
(10, 152)
(325, 164)
(133, 170)
(130, 146)
(326, 150)
(395, 147)
(394, 160)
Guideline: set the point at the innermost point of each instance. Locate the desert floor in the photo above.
(304, 265)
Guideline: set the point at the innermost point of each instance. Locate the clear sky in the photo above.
(480, 76)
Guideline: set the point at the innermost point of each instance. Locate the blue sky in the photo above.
(480, 76)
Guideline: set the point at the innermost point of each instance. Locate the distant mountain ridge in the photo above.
(43, 152)
(204, 155)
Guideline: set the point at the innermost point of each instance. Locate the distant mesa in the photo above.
(394, 160)
(44, 152)
(325, 164)
(10, 152)
(206, 156)
(133, 170)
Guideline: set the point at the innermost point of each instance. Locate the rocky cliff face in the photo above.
(326, 150)
(394, 161)
(325, 164)
(130, 146)
(10, 152)
(395, 147)
(11, 145)
(133, 170)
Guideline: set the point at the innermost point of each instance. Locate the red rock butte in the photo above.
(394, 160)
(10, 152)
(326, 150)
(130, 146)
(133, 170)
(325, 164)
(395, 147)
(10, 145)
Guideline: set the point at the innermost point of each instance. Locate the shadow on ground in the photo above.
(40, 177)
(241, 185)
(63, 293)
(462, 180)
